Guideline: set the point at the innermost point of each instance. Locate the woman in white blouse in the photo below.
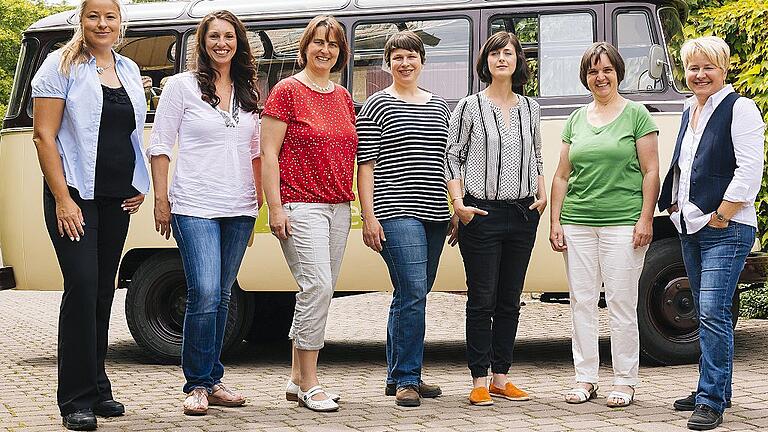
(710, 193)
(215, 195)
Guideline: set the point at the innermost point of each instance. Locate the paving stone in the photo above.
(353, 364)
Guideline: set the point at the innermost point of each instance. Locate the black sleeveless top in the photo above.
(115, 157)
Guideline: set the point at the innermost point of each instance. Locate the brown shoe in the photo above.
(196, 402)
(408, 396)
(223, 396)
(425, 390)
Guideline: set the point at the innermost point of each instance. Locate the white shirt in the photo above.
(214, 171)
(747, 135)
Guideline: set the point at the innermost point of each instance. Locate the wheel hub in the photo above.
(677, 312)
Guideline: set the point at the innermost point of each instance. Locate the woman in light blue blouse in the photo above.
(89, 110)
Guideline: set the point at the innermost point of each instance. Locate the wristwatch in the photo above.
(719, 216)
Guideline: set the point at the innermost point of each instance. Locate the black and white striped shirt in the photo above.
(496, 161)
(407, 141)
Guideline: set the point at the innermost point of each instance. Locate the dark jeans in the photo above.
(496, 249)
(89, 268)
(412, 253)
(713, 260)
(211, 251)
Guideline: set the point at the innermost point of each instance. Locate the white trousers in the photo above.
(596, 257)
(314, 251)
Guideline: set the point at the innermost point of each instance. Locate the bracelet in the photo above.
(457, 198)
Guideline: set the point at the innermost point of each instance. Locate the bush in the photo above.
(754, 303)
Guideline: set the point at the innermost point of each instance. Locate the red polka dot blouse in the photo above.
(318, 154)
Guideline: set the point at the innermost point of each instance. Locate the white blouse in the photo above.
(747, 134)
(214, 171)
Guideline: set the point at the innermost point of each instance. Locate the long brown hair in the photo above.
(75, 51)
(243, 69)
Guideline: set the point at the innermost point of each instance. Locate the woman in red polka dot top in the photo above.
(308, 151)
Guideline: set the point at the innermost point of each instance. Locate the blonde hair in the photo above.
(712, 47)
(75, 51)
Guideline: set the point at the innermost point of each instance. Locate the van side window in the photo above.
(156, 57)
(634, 40)
(276, 52)
(22, 77)
(553, 55)
(446, 70)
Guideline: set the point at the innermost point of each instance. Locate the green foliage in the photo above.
(754, 303)
(743, 25)
(16, 15)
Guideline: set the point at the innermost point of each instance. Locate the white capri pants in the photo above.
(314, 251)
(599, 256)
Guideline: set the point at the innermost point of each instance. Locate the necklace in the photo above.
(320, 88)
(100, 70)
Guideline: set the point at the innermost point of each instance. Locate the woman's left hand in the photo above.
(453, 230)
(131, 205)
(539, 205)
(643, 233)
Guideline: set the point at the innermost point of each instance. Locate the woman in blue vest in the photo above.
(710, 193)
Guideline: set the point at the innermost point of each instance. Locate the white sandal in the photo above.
(292, 392)
(582, 394)
(325, 405)
(625, 399)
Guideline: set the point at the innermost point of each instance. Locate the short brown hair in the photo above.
(331, 25)
(406, 40)
(592, 56)
(498, 41)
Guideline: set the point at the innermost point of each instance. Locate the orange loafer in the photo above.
(509, 392)
(479, 396)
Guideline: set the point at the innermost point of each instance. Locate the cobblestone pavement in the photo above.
(353, 364)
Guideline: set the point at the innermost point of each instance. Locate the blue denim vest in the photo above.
(713, 164)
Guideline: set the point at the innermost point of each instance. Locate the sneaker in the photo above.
(408, 396)
(509, 392)
(704, 418)
(425, 390)
(80, 420)
(480, 396)
(688, 403)
(223, 396)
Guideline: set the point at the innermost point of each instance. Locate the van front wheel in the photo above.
(156, 303)
(667, 319)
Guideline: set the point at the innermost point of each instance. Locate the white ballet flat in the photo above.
(325, 405)
(292, 393)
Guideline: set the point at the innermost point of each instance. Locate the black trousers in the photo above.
(89, 268)
(496, 250)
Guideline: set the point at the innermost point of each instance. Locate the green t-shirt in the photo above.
(605, 185)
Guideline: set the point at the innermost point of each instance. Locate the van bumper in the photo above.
(7, 279)
(755, 269)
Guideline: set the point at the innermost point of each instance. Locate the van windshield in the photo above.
(674, 38)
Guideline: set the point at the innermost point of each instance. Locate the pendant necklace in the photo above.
(100, 70)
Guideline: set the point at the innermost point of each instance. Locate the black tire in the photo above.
(667, 319)
(156, 303)
(273, 316)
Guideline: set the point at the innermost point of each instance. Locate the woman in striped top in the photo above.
(495, 178)
(402, 134)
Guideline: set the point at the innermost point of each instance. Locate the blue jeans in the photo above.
(211, 251)
(412, 253)
(713, 260)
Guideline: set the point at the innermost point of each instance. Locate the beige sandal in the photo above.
(223, 396)
(196, 403)
(625, 399)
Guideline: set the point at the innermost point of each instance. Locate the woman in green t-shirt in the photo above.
(603, 197)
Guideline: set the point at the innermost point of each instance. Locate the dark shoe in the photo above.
(688, 403)
(425, 390)
(704, 418)
(408, 396)
(109, 408)
(80, 420)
